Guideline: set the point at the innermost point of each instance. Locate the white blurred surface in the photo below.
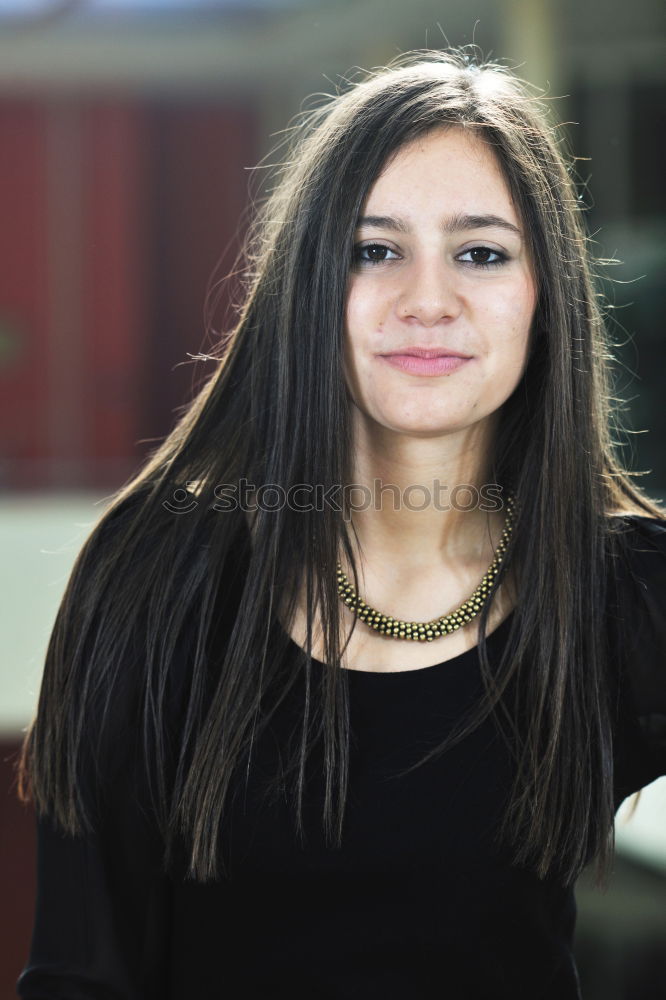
(643, 834)
(40, 538)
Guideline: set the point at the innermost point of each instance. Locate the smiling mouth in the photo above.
(433, 363)
(425, 352)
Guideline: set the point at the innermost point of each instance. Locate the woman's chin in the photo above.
(425, 426)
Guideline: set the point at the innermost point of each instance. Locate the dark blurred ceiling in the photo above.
(263, 45)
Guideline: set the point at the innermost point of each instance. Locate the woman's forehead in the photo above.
(452, 165)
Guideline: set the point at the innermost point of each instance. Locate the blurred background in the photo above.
(128, 134)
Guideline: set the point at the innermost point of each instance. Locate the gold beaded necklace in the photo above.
(427, 631)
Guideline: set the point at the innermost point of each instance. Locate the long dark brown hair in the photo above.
(144, 595)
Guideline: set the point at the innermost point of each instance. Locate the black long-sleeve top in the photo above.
(418, 903)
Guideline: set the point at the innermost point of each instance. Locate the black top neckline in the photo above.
(443, 665)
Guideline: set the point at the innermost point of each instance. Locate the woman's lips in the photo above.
(443, 365)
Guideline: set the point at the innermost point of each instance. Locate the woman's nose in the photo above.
(429, 293)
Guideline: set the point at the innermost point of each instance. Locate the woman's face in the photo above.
(440, 263)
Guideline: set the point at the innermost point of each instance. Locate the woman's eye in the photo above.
(483, 257)
(372, 253)
(379, 253)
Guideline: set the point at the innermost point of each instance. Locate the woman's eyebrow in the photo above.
(454, 224)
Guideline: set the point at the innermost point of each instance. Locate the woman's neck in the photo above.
(424, 502)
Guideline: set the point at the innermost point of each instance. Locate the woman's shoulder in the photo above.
(638, 556)
(630, 520)
(638, 620)
(156, 520)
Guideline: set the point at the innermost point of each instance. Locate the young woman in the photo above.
(348, 683)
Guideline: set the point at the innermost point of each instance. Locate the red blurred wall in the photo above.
(17, 873)
(114, 216)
